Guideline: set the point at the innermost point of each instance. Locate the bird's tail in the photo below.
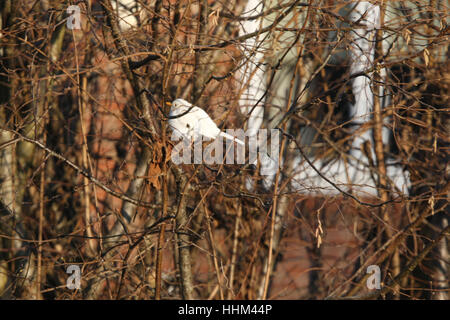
(230, 137)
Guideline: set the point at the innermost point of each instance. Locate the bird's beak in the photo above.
(168, 103)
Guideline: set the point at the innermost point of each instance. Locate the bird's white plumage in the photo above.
(195, 124)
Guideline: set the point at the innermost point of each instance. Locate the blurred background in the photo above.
(358, 90)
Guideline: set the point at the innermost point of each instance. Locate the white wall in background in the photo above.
(356, 173)
(126, 10)
(253, 72)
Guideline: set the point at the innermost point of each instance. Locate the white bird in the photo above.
(194, 122)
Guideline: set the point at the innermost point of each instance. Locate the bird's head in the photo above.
(177, 103)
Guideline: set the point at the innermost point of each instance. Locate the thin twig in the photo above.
(84, 173)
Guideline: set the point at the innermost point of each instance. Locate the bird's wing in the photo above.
(194, 124)
(206, 126)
